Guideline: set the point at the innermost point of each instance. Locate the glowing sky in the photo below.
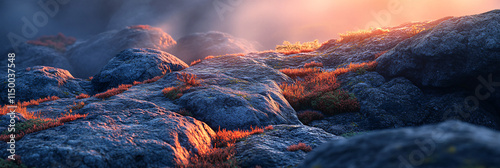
(304, 20)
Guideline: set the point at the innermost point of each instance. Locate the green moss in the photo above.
(5, 163)
(23, 126)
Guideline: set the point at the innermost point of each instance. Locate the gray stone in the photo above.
(41, 81)
(137, 64)
(449, 144)
(237, 93)
(88, 57)
(270, 149)
(452, 54)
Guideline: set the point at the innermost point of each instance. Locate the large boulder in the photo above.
(89, 56)
(396, 103)
(454, 53)
(270, 149)
(137, 64)
(41, 81)
(237, 93)
(449, 144)
(120, 132)
(199, 45)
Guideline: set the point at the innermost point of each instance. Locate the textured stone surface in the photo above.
(136, 64)
(449, 144)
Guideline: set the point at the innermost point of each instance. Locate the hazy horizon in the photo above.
(268, 22)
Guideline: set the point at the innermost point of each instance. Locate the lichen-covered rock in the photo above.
(270, 149)
(88, 57)
(41, 81)
(199, 45)
(454, 53)
(120, 132)
(137, 64)
(449, 144)
(237, 93)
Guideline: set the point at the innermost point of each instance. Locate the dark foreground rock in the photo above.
(120, 132)
(88, 57)
(199, 45)
(41, 81)
(136, 64)
(237, 93)
(396, 103)
(270, 149)
(450, 144)
(453, 53)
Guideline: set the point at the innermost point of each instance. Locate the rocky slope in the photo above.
(430, 73)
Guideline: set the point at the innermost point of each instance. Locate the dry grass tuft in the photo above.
(288, 48)
(360, 35)
(82, 96)
(269, 127)
(38, 101)
(188, 81)
(114, 91)
(156, 78)
(317, 87)
(223, 152)
(301, 72)
(299, 146)
(313, 64)
(195, 62)
(307, 117)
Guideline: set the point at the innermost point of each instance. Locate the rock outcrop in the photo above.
(237, 93)
(136, 64)
(452, 54)
(120, 132)
(41, 81)
(88, 57)
(270, 149)
(450, 144)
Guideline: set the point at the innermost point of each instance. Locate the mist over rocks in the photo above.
(29, 55)
(200, 45)
(89, 56)
(448, 145)
(141, 127)
(137, 64)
